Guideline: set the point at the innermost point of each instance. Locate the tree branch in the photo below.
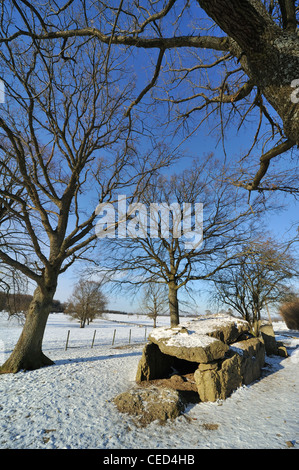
(288, 13)
(245, 21)
(264, 165)
(207, 42)
(150, 85)
(20, 267)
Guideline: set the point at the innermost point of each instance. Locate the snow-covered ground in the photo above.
(69, 405)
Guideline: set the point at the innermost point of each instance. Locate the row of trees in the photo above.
(247, 268)
(256, 279)
(18, 304)
(259, 280)
(78, 128)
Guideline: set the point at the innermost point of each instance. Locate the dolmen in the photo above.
(213, 355)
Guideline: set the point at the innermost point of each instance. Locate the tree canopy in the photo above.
(87, 302)
(64, 147)
(258, 279)
(99, 96)
(171, 241)
(229, 63)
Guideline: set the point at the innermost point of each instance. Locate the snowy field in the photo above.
(69, 405)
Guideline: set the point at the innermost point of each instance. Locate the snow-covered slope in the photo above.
(69, 405)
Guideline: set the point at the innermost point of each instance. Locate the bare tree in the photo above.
(87, 302)
(65, 148)
(224, 62)
(154, 301)
(13, 283)
(259, 277)
(192, 248)
(234, 61)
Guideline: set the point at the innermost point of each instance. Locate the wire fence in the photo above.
(117, 337)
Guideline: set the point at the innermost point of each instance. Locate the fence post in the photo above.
(113, 337)
(67, 339)
(94, 335)
(145, 334)
(130, 337)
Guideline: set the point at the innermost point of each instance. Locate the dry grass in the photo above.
(290, 314)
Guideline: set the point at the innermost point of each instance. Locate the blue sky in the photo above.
(202, 142)
(281, 225)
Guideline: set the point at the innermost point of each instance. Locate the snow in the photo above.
(191, 340)
(175, 337)
(194, 333)
(69, 405)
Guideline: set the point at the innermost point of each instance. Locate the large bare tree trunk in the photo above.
(268, 54)
(173, 304)
(27, 354)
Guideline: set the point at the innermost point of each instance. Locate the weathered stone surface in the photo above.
(201, 340)
(150, 404)
(208, 349)
(218, 384)
(282, 350)
(230, 375)
(209, 366)
(153, 364)
(225, 328)
(268, 336)
(189, 345)
(252, 354)
(218, 380)
(208, 384)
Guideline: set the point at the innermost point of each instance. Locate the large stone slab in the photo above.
(252, 355)
(202, 340)
(153, 364)
(223, 327)
(222, 353)
(189, 346)
(268, 336)
(218, 381)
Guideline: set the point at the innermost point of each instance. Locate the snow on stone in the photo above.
(194, 333)
(181, 337)
(190, 340)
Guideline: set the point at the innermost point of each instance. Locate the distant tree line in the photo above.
(18, 304)
(117, 312)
